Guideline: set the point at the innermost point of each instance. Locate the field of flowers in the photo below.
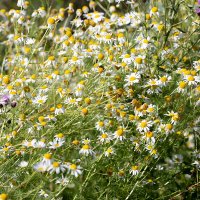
(100, 101)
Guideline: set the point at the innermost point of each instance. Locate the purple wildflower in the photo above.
(198, 11)
(4, 100)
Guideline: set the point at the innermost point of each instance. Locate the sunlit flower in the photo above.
(134, 170)
(74, 169)
(132, 78)
(56, 167)
(86, 150)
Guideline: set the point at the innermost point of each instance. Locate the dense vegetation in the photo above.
(100, 101)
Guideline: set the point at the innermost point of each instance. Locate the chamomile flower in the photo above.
(127, 58)
(153, 85)
(192, 80)
(40, 144)
(56, 144)
(104, 137)
(151, 109)
(72, 101)
(63, 181)
(139, 62)
(119, 134)
(47, 159)
(132, 78)
(149, 137)
(182, 86)
(60, 137)
(169, 128)
(134, 170)
(86, 150)
(40, 167)
(74, 170)
(76, 60)
(59, 109)
(110, 151)
(86, 141)
(144, 126)
(31, 143)
(39, 100)
(174, 116)
(21, 3)
(100, 125)
(164, 80)
(154, 12)
(56, 167)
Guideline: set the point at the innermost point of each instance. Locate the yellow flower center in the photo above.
(109, 150)
(154, 9)
(73, 167)
(41, 101)
(74, 58)
(59, 106)
(101, 124)
(138, 60)
(51, 58)
(120, 132)
(134, 167)
(149, 134)
(143, 124)
(60, 135)
(169, 126)
(86, 147)
(104, 135)
(3, 196)
(145, 41)
(163, 79)
(190, 78)
(56, 164)
(127, 56)
(132, 78)
(108, 37)
(47, 156)
(51, 21)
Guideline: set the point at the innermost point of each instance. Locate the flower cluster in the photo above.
(99, 97)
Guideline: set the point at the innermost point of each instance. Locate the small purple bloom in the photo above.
(199, 2)
(4, 100)
(198, 11)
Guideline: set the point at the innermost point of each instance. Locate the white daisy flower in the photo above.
(55, 144)
(104, 137)
(192, 80)
(86, 150)
(74, 169)
(39, 100)
(144, 126)
(132, 78)
(47, 159)
(40, 167)
(134, 170)
(127, 58)
(119, 134)
(56, 167)
(110, 151)
(100, 126)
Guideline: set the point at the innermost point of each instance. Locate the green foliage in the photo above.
(99, 103)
